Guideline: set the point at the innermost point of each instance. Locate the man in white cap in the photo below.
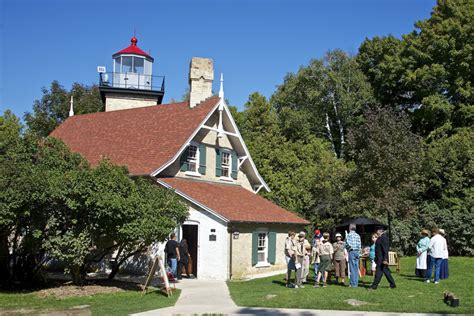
(437, 250)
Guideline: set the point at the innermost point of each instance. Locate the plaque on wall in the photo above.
(212, 237)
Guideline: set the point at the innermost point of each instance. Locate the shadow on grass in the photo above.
(281, 283)
(270, 311)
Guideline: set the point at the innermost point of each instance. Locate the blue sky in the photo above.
(254, 43)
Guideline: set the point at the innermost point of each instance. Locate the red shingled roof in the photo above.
(233, 202)
(133, 49)
(143, 139)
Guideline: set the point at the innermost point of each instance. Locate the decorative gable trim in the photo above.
(247, 153)
(221, 105)
(188, 141)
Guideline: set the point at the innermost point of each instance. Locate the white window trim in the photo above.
(194, 173)
(263, 264)
(224, 178)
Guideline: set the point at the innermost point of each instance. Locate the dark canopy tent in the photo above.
(364, 227)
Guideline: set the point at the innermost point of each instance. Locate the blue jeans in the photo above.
(173, 262)
(354, 267)
(434, 262)
(316, 269)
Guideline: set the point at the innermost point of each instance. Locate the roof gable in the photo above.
(141, 139)
(232, 202)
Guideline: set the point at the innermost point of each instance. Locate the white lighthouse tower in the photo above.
(131, 84)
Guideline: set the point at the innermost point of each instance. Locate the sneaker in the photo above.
(315, 285)
(427, 281)
(290, 286)
(436, 282)
(297, 286)
(301, 286)
(324, 284)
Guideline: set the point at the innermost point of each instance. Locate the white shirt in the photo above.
(438, 246)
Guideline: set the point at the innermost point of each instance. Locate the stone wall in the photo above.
(209, 138)
(115, 102)
(242, 250)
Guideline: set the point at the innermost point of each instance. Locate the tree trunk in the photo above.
(4, 260)
(118, 263)
(331, 139)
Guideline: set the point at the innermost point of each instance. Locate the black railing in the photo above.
(131, 80)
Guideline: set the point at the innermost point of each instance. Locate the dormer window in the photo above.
(226, 164)
(193, 160)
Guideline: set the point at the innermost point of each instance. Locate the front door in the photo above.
(190, 233)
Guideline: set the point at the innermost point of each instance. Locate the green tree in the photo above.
(387, 156)
(53, 205)
(305, 176)
(430, 70)
(53, 108)
(324, 99)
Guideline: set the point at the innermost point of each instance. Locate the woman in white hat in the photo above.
(422, 253)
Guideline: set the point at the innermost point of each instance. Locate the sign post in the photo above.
(165, 284)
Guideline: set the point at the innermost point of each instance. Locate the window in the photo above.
(192, 159)
(138, 65)
(126, 63)
(262, 247)
(226, 164)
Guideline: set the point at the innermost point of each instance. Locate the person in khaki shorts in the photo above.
(299, 255)
(340, 259)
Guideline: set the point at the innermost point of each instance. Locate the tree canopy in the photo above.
(54, 205)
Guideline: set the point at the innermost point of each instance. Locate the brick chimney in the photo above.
(201, 75)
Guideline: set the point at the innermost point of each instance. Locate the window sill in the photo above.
(226, 179)
(193, 174)
(262, 265)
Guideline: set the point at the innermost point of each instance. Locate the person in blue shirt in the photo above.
(353, 247)
(373, 265)
(422, 253)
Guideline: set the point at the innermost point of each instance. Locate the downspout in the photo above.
(230, 230)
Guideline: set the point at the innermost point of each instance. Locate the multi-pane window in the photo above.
(262, 247)
(226, 164)
(192, 158)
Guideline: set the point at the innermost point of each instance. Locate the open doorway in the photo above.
(190, 233)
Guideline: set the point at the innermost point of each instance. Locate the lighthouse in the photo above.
(131, 84)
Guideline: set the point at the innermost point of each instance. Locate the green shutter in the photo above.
(183, 160)
(218, 163)
(234, 166)
(254, 248)
(202, 159)
(272, 247)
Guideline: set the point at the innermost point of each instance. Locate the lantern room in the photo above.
(131, 83)
(132, 67)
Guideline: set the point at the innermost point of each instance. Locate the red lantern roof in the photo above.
(133, 49)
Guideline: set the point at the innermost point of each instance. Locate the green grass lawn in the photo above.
(120, 303)
(411, 294)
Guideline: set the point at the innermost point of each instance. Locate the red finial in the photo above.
(134, 41)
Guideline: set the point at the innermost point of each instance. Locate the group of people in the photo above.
(326, 256)
(432, 252)
(177, 256)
